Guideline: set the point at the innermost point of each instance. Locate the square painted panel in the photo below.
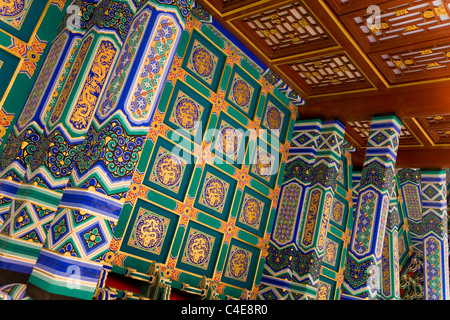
(326, 290)
(243, 92)
(230, 140)
(253, 212)
(188, 112)
(265, 163)
(216, 193)
(169, 169)
(275, 118)
(333, 252)
(241, 264)
(200, 249)
(22, 18)
(149, 232)
(204, 61)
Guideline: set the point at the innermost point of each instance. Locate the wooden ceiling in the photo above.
(343, 67)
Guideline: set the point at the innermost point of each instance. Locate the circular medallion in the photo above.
(33, 56)
(168, 170)
(149, 231)
(241, 93)
(252, 211)
(214, 192)
(187, 113)
(12, 8)
(229, 140)
(198, 249)
(273, 118)
(203, 62)
(238, 263)
(263, 164)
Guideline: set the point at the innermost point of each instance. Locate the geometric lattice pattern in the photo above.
(287, 28)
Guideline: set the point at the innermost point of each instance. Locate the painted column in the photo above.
(376, 186)
(316, 211)
(390, 269)
(280, 277)
(29, 192)
(435, 237)
(410, 187)
(341, 223)
(102, 174)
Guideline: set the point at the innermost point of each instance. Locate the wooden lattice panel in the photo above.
(437, 127)
(344, 6)
(419, 62)
(284, 30)
(362, 128)
(326, 74)
(399, 22)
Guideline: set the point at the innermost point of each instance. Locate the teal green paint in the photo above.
(336, 231)
(182, 45)
(260, 269)
(206, 219)
(261, 104)
(237, 199)
(195, 181)
(281, 97)
(197, 86)
(340, 191)
(192, 280)
(177, 241)
(344, 254)
(165, 96)
(119, 270)
(238, 116)
(181, 141)
(224, 166)
(225, 78)
(328, 273)
(281, 173)
(212, 124)
(222, 256)
(270, 223)
(212, 37)
(250, 69)
(260, 187)
(291, 130)
(161, 199)
(249, 153)
(247, 237)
